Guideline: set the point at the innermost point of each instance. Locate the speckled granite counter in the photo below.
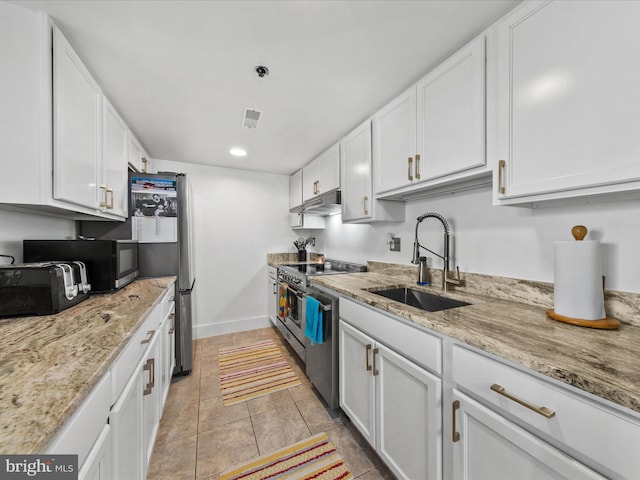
(49, 364)
(605, 363)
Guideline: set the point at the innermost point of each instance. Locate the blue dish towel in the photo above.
(313, 329)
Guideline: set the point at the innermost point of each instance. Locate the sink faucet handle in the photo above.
(458, 282)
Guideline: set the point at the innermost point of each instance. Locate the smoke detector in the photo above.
(251, 118)
(261, 70)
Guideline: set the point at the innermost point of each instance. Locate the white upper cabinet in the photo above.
(136, 157)
(322, 174)
(433, 134)
(114, 161)
(359, 204)
(451, 115)
(77, 121)
(52, 123)
(568, 101)
(394, 142)
(355, 150)
(295, 189)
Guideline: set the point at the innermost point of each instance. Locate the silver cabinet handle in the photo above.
(103, 196)
(144, 164)
(148, 339)
(417, 166)
(375, 370)
(501, 167)
(150, 366)
(366, 352)
(544, 411)
(455, 436)
(109, 198)
(365, 199)
(409, 165)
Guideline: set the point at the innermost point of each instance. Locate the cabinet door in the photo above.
(569, 101)
(491, 447)
(329, 169)
(451, 114)
(99, 462)
(355, 152)
(272, 299)
(151, 411)
(126, 421)
(295, 189)
(114, 161)
(135, 153)
(77, 122)
(310, 174)
(356, 380)
(408, 418)
(394, 142)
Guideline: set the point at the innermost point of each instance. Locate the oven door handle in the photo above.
(325, 308)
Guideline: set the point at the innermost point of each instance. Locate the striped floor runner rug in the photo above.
(313, 458)
(252, 370)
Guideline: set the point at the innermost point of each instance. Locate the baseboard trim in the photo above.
(233, 326)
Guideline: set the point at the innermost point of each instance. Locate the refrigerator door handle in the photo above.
(188, 290)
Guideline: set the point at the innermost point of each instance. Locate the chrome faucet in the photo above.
(445, 256)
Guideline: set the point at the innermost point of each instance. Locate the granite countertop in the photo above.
(602, 362)
(49, 364)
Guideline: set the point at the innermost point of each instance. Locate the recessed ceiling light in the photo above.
(238, 152)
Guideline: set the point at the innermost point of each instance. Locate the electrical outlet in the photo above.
(394, 244)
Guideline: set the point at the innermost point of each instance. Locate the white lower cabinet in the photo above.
(433, 407)
(393, 402)
(136, 414)
(488, 446)
(126, 420)
(99, 463)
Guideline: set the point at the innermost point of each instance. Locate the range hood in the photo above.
(324, 204)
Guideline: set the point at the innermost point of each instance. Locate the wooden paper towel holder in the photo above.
(579, 232)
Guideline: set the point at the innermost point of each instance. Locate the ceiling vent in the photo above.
(251, 118)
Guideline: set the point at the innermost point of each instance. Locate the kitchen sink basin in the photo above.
(419, 299)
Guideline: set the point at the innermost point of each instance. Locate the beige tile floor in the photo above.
(198, 437)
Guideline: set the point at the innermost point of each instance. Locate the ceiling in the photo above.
(181, 73)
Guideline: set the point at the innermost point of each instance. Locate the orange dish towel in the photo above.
(285, 307)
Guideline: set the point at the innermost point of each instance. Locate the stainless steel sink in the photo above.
(419, 299)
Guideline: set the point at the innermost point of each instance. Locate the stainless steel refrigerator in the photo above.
(159, 205)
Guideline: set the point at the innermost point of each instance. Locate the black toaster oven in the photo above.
(42, 288)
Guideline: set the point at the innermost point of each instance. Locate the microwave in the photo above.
(111, 264)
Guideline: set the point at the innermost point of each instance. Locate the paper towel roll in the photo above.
(578, 289)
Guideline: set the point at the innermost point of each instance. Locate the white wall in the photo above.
(18, 226)
(238, 217)
(504, 241)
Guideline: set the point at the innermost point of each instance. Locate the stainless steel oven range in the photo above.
(321, 360)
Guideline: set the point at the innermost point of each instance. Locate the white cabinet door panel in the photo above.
(77, 101)
(394, 137)
(356, 382)
(114, 160)
(569, 97)
(451, 114)
(355, 150)
(409, 433)
(491, 447)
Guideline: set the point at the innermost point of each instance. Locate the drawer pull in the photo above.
(409, 165)
(148, 339)
(455, 436)
(544, 411)
(417, 166)
(375, 370)
(366, 352)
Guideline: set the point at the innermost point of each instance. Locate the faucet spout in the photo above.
(445, 255)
